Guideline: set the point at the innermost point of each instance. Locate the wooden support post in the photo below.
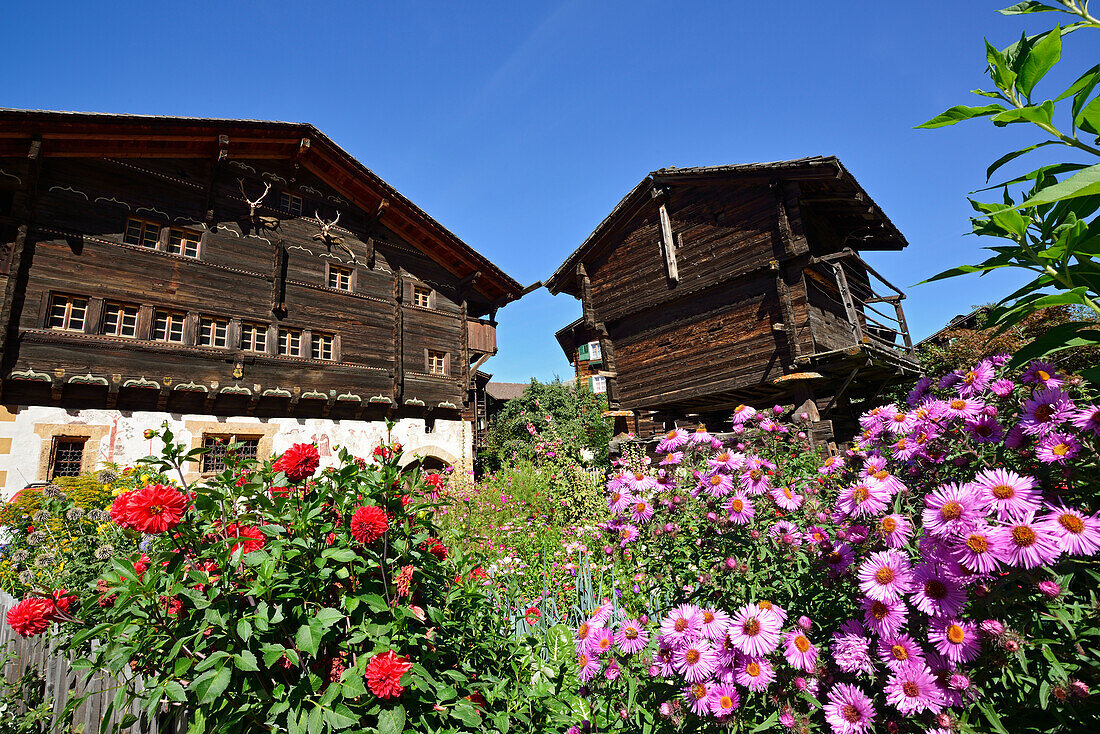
(22, 210)
(607, 349)
(215, 169)
(846, 298)
(903, 326)
(585, 287)
(465, 351)
(784, 295)
(668, 244)
(398, 339)
(278, 280)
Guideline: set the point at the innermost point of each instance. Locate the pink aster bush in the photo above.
(937, 576)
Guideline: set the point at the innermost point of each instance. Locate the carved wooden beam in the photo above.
(303, 149)
(278, 279)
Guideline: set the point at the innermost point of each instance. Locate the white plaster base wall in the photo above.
(117, 437)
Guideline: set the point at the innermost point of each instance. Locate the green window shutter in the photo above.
(582, 352)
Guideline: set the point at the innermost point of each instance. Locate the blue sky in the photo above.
(519, 125)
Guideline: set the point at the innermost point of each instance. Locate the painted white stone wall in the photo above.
(123, 441)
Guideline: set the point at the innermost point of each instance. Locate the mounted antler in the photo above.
(326, 236)
(253, 205)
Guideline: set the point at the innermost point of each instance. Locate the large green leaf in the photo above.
(1088, 119)
(308, 638)
(1039, 59)
(1056, 339)
(1030, 6)
(327, 617)
(211, 684)
(1014, 155)
(959, 113)
(391, 721)
(1085, 182)
(1042, 114)
(339, 716)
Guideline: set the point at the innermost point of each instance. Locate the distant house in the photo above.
(966, 321)
(705, 288)
(488, 398)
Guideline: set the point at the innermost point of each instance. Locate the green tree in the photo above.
(562, 419)
(1046, 218)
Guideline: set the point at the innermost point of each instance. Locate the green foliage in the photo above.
(23, 705)
(550, 417)
(1050, 225)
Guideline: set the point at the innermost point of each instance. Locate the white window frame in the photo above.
(322, 346)
(422, 291)
(213, 332)
(166, 324)
(290, 203)
(120, 319)
(72, 315)
(594, 353)
(290, 342)
(190, 242)
(145, 228)
(340, 278)
(598, 383)
(437, 362)
(253, 336)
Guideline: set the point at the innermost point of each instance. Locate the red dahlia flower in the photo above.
(298, 462)
(433, 480)
(532, 615)
(436, 548)
(251, 538)
(384, 673)
(119, 508)
(368, 523)
(154, 509)
(31, 616)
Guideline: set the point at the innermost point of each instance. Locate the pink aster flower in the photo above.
(832, 465)
(1007, 492)
(786, 533)
(632, 637)
(1088, 419)
(895, 530)
(786, 498)
(716, 485)
(671, 458)
(1002, 388)
(919, 391)
(742, 414)
(905, 448)
(885, 575)
(816, 535)
(639, 482)
(584, 636)
(884, 618)
(700, 437)
(754, 673)
(1045, 410)
(641, 511)
(740, 509)
(975, 380)
(715, 623)
(682, 623)
(753, 631)
(727, 460)
(602, 614)
(1043, 374)
(866, 498)
(672, 440)
(964, 408)
(1056, 448)
(956, 640)
(851, 648)
(626, 533)
(950, 509)
(837, 557)
(984, 429)
(799, 651)
(662, 661)
(1028, 544)
(767, 607)
(699, 697)
(603, 640)
(696, 661)
(979, 549)
(619, 501)
(899, 422)
(849, 711)
(589, 666)
(1078, 534)
(725, 700)
(935, 593)
(755, 480)
(912, 690)
(899, 651)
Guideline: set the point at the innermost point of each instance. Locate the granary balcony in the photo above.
(481, 337)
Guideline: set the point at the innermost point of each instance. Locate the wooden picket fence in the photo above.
(63, 684)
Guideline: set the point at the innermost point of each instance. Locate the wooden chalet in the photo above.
(705, 288)
(249, 278)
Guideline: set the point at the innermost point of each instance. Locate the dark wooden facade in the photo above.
(383, 312)
(711, 287)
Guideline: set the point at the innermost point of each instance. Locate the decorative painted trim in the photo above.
(152, 209)
(447, 404)
(380, 399)
(314, 395)
(234, 390)
(88, 379)
(142, 383)
(30, 376)
(311, 190)
(415, 402)
(244, 166)
(191, 387)
(348, 398)
(299, 247)
(275, 392)
(69, 188)
(111, 199)
(11, 175)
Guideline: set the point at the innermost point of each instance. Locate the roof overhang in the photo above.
(96, 135)
(835, 192)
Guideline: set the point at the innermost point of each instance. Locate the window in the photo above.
(339, 278)
(598, 384)
(321, 346)
(422, 296)
(290, 342)
(254, 337)
(290, 203)
(213, 332)
(214, 459)
(119, 319)
(168, 326)
(142, 233)
(437, 362)
(183, 242)
(594, 352)
(68, 312)
(68, 456)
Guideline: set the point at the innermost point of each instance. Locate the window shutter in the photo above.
(582, 352)
(94, 316)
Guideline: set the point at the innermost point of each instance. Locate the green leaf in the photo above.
(175, 691)
(1038, 60)
(959, 113)
(1030, 6)
(392, 721)
(1088, 79)
(992, 717)
(308, 638)
(244, 630)
(1042, 114)
(341, 555)
(465, 712)
(340, 716)
(211, 684)
(1088, 119)
(315, 721)
(768, 723)
(1085, 182)
(246, 660)
(1014, 155)
(271, 653)
(327, 617)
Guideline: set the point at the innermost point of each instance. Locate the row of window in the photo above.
(67, 458)
(70, 313)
